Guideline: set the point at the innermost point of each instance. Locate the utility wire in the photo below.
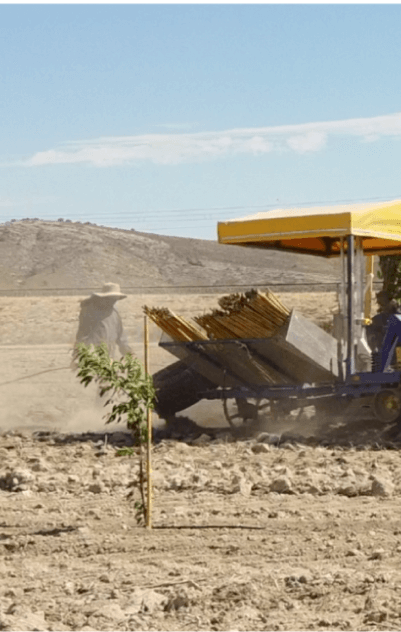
(156, 213)
(179, 287)
(26, 377)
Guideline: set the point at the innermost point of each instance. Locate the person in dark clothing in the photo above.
(99, 321)
(377, 330)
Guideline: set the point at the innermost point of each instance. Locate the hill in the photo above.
(63, 256)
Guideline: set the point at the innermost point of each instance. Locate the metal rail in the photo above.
(350, 306)
(367, 384)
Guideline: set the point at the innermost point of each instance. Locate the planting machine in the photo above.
(300, 365)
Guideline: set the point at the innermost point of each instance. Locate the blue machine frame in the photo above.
(355, 385)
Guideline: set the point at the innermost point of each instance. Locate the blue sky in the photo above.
(169, 118)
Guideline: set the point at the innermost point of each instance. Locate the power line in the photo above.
(180, 287)
(143, 214)
(139, 214)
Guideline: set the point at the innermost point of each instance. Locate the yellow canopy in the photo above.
(318, 231)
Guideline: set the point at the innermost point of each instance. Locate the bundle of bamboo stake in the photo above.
(251, 315)
(174, 326)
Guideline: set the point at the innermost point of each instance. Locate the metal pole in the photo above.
(369, 278)
(350, 306)
(149, 439)
(342, 312)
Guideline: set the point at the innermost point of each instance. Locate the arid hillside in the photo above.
(41, 255)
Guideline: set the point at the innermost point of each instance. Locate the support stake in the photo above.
(149, 439)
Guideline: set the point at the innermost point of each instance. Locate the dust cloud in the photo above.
(37, 334)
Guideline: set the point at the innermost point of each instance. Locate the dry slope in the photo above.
(39, 255)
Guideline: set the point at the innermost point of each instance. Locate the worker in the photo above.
(377, 330)
(99, 321)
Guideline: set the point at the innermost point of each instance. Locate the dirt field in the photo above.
(291, 538)
(249, 535)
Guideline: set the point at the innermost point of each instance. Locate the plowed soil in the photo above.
(292, 532)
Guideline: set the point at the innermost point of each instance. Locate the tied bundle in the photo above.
(176, 327)
(253, 314)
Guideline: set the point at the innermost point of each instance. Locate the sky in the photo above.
(169, 118)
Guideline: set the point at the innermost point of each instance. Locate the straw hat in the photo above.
(110, 290)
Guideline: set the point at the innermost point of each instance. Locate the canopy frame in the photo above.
(344, 231)
(318, 231)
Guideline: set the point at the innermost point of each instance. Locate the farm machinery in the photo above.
(283, 362)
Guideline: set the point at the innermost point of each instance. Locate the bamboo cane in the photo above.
(149, 437)
(175, 326)
(250, 315)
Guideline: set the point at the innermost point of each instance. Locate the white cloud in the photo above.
(170, 149)
(311, 141)
(257, 145)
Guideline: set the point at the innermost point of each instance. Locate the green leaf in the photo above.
(126, 380)
(125, 452)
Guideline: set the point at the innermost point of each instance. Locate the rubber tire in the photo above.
(178, 387)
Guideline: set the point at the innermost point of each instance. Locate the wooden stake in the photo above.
(149, 440)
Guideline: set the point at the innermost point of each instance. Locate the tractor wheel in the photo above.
(387, 406)
(178, 387)
(243, 410)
